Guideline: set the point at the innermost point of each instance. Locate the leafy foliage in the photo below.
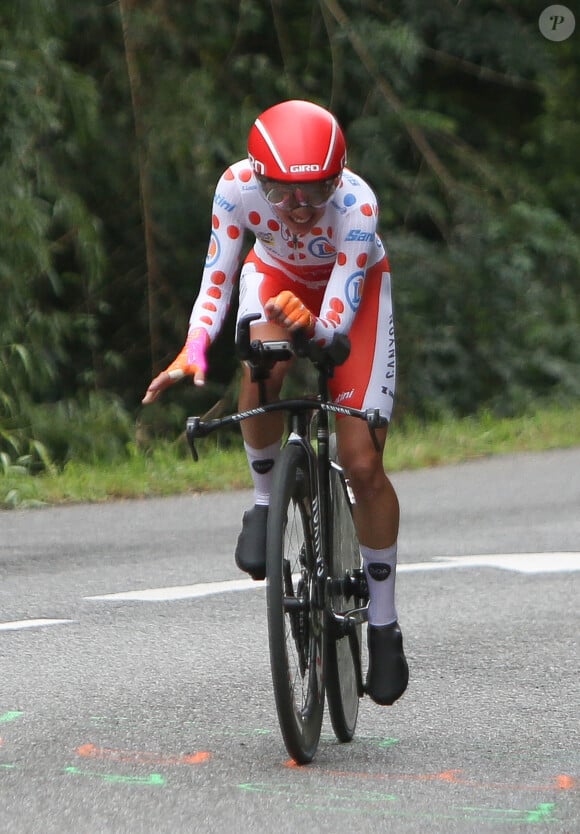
(117, 120)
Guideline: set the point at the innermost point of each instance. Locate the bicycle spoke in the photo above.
(344, 682)
(296, 646)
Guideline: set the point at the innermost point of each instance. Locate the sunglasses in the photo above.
(311, 194)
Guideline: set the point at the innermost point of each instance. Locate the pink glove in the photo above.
(191, 361)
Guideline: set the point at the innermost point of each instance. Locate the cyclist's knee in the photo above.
(366, 473)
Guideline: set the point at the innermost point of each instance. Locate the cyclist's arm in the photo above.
(218, 281)
(223, 257)
(358, 247)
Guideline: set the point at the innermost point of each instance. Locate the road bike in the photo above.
(317, 596)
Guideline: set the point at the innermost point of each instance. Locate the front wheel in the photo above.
(295, 623)
(343, 671)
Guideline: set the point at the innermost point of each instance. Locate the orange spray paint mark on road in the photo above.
(91, 751)
(565, 782)
(561, 782)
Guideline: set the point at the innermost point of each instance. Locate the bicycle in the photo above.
(317, 596)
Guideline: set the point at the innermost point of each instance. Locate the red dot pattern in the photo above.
(256, 216)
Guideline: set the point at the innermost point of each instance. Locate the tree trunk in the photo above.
(126, 7)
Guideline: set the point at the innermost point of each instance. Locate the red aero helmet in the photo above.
(296, 141)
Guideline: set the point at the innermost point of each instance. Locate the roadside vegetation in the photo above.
(167, 468)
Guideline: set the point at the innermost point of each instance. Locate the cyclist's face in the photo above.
(299, 220)
(299, 205)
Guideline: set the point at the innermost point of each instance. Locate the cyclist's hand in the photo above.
(287, 310)
(191, 361)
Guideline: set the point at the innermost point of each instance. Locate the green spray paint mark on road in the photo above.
(353, 801)
(388, 742)
(10, 716)
(544, 812)
(155, 779)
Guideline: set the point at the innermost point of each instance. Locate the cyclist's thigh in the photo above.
(367, 378)
(250, 303)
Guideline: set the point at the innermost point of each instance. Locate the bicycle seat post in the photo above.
(299, 422)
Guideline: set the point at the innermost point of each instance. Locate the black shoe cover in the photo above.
(251, 547)
(388, 673)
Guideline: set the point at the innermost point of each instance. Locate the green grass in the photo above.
(168, 470)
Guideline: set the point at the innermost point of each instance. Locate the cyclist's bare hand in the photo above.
(287, 310)
(191, 361)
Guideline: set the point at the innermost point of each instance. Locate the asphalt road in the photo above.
(130, 702)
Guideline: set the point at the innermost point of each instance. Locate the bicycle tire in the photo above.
(342, 663)
(295, 625)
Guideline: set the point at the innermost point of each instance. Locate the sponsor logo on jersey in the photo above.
(354, 286)
(391, 361)
(267, 238)
(221, 202)
(360, 236)
(321, 247)
(345, 395)
(213, 251)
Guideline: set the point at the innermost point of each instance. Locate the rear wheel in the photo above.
(295, 623)
(343, 675)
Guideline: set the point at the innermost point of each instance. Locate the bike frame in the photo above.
(261, 357)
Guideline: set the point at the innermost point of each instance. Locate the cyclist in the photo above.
(318, 264)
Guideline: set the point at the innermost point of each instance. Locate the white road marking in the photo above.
(15, 625)
(520, 562)
(203, 589)
(530, 563)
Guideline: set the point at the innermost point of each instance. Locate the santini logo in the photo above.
(359, 235)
